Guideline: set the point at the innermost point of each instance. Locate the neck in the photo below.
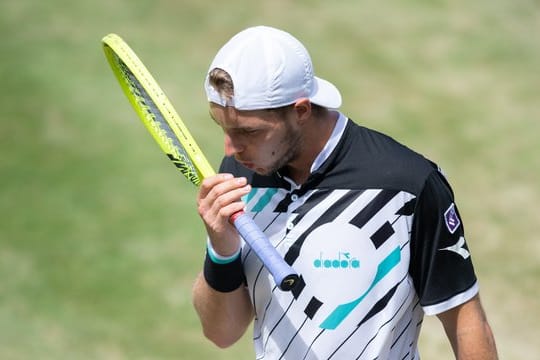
(316, 133)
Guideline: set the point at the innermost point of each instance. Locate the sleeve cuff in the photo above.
(454, 301)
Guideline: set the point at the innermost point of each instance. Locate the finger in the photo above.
(231, 202)
(226, 187)
(223, 199)
(210, 182)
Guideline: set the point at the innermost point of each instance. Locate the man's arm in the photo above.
(224, 316)
(469, 333)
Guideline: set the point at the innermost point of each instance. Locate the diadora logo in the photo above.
(343, 260)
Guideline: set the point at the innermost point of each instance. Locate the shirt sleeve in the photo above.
(441, 265)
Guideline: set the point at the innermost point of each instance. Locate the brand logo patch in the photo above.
(451, 219)
(459, 248)
(342, 261)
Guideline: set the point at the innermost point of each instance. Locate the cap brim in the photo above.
(325, 94)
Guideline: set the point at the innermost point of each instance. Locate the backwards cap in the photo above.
(269, 68)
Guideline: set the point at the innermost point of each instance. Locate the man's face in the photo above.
(263, 141)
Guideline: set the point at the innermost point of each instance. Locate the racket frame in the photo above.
(186, 155)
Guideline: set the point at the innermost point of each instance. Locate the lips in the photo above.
(248, 165)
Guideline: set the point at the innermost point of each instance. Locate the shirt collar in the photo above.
(331, 144)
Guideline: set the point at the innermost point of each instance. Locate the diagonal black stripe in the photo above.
(382, 198)
(405, 356)
(283, 205)
(308, 351)
(328, 216)
(313, 306)
(292, 339)
(311, 202)
(283, 316)
(264, 313)
(408, 208)
(373, 338)
(386, 323)
(261, 268)
(382, 234)
(381, 304)
(401, 333)
(297, 289)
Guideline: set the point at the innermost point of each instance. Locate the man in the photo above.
(370, 226)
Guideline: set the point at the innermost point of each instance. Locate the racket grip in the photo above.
(284, 275)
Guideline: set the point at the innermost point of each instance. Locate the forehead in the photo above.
(229, 117)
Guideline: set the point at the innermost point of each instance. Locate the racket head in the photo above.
(155, 110)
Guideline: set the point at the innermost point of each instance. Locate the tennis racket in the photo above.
(170, 132)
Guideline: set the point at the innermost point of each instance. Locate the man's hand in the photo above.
(219, 197)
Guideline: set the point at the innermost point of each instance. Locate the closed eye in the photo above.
(245, 131)
(249, 131)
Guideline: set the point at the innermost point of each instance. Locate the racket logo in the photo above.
(288, 282)
(159, 125)
(185, 169)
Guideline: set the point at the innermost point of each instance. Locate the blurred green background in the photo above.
(99, 236)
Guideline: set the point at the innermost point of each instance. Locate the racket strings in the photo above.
(155, 119)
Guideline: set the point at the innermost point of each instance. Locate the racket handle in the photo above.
(284, 275)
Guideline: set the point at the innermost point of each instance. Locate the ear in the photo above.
(302, 108)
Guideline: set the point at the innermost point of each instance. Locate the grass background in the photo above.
(99, 237)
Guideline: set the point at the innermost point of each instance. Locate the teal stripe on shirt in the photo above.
(343, 310)
(264, 200)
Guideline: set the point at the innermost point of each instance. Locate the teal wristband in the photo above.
(219, 259)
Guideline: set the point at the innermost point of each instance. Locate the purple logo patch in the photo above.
(451, 219)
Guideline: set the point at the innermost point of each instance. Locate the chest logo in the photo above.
(343, 260)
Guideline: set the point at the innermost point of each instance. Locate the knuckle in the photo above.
(200, 209)
(220, 202)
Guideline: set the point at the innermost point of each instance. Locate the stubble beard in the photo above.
(293, 145)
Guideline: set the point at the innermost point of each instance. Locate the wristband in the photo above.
(220, 259)
(224, 277)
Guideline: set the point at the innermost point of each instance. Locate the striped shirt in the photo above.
(377, 240)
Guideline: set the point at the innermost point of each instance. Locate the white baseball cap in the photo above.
(269, 68)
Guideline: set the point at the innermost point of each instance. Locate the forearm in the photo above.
(469, 332)
(475, 343)
(224, 316)
(219, 296)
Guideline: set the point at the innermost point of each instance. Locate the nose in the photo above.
(232, 146)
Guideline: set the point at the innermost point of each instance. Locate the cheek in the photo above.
(267, 147)
(267, 152)
(279, 149)
(276, 146)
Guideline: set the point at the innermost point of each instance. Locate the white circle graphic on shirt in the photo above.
(338, 262)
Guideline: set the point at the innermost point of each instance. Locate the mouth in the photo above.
(251, 166)
(247, 164)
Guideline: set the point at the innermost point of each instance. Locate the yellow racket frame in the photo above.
(114, 46)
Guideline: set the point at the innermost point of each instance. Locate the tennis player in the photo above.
(371, 226)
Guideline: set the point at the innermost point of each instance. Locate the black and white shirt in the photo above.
(377, 239)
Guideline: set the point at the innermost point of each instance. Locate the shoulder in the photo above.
(367, 158)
